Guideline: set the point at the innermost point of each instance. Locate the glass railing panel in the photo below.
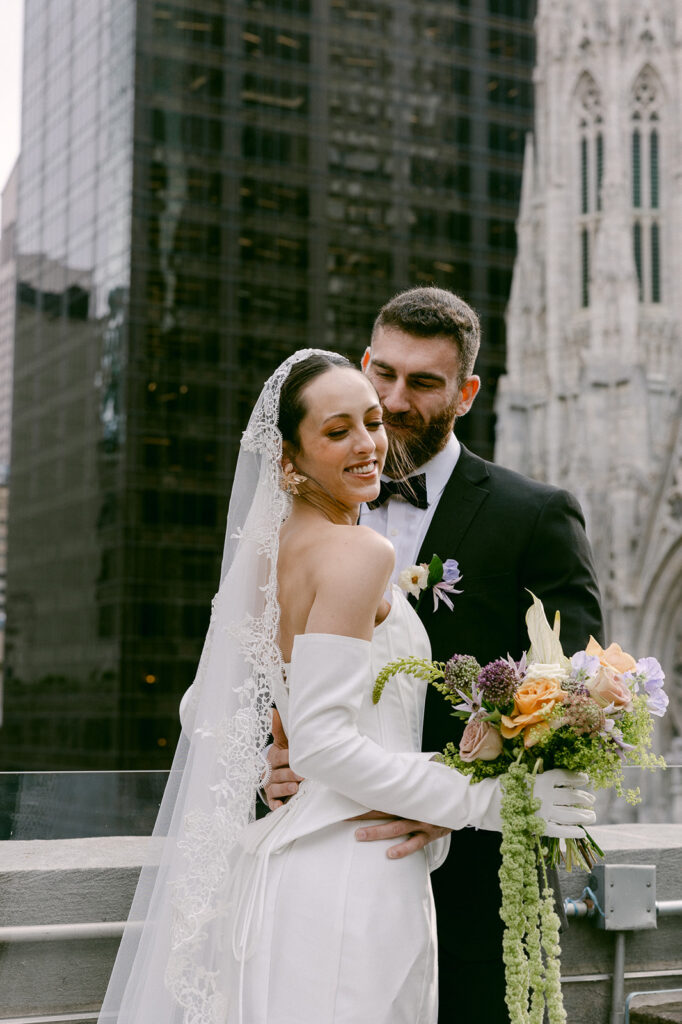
(70, 805)
(660, 798)
(73, 805)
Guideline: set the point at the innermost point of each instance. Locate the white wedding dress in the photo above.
(328, 930)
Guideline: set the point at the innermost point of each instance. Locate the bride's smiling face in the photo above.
(342, 441)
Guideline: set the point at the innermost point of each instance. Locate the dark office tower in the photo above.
(205, 186)
(68, 431)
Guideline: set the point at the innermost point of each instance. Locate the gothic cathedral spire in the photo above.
(592, 397)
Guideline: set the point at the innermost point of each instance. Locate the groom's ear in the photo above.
(467, 393)
(364, 362)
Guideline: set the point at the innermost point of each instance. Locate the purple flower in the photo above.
(451, 573)
(616, 735)
(657, 702)
(498, 682)
(649, 674)
(584, 665)
(654, 675)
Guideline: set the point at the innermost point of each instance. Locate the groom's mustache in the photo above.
(403, 419)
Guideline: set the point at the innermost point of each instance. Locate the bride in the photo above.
(289, 920)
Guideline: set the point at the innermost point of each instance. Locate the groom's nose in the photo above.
(395, 397)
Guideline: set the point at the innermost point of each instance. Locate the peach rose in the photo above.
(480, 741)
(613, 657)
(533, 702)
(608, 688)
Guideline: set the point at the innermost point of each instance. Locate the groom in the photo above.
(509, 535)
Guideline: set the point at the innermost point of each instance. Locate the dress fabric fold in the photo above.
(325, 929)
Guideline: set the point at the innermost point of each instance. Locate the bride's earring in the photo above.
(291, 479)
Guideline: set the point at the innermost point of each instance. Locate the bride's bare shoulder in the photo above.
(360, 543)
(354, 553)
(350, 574)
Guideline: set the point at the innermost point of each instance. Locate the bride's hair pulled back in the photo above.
(292, 407)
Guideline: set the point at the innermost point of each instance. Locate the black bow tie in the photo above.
(413, 489)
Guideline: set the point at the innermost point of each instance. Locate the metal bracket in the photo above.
(626, 893)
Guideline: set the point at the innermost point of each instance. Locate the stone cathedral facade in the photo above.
(592, 397)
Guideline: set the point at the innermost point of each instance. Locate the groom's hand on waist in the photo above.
(417, 835)
(283, 781)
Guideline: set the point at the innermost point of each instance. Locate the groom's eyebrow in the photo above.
(347, 415)
(417, 375)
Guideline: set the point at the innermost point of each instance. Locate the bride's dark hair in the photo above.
(292, 406)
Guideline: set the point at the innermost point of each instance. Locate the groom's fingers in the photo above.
(392, 829)
(278, 757)
(283, 783)
(417, 840)
(417, 834)
(279, 737)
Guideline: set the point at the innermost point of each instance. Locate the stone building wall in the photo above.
(592, 397)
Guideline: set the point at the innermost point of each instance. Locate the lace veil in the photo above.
(168, 967)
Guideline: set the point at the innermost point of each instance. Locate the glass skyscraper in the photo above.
(204, 187)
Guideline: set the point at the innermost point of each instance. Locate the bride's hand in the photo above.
(283, 781)
(418, 834)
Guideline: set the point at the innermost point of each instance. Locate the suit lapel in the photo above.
(464, 494)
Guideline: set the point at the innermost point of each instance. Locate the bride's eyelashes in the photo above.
(336, 435)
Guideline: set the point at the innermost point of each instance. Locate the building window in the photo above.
(646, 186)
(636, 169)
(637, 244)
(599, 147)
(653, 169)
(591, 164)
(584, 178)
(655, 264)
(585, 267)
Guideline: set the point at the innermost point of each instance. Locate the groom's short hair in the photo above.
(435, 312)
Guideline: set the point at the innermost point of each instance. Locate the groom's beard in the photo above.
(418, 440)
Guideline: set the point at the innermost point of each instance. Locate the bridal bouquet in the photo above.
(589, 713)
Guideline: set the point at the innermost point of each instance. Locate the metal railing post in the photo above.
(618, 989)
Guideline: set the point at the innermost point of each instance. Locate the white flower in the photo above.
(413, 579)
(545, 670)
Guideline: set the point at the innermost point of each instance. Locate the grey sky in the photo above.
(11, 21)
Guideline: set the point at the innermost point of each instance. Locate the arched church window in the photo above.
(591, 164)
(645, 172)
(655, 264)
(637, 245)
(653, 168)
(585, 268)
(636, 169)
(599, 146)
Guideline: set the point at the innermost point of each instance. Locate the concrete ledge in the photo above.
(92, 880)
(58, 882)
(657, 1014)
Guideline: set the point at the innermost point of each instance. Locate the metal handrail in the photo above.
(586, 908)
(59, 1018)
(56, 932)
(650, 992)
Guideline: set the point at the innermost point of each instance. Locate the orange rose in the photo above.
(613, 657)
(533, 702)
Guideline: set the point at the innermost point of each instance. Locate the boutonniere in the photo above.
(438, 576)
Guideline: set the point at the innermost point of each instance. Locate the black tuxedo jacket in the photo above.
(509, 534)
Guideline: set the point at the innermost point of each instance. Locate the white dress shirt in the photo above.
(403, 524)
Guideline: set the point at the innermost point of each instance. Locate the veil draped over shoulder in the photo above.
(168, 968)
